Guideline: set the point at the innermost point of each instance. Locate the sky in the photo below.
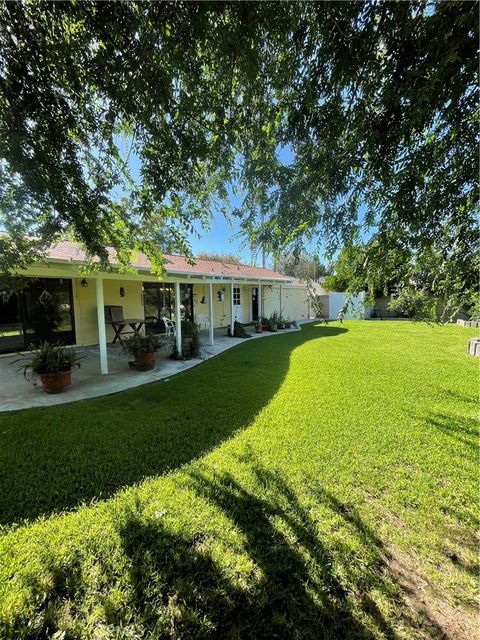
(221, 239)
(223, 235)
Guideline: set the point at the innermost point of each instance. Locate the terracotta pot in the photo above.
(258, 328)
(56, 382)
(145, 361)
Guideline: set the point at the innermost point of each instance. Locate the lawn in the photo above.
(320, 484)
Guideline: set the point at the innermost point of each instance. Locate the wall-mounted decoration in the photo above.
(45, 297)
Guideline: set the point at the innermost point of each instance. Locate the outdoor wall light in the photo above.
(203, 300)
(84, 283)
(221, 294)
(122, 292)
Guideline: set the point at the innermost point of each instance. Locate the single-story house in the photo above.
(61, 303)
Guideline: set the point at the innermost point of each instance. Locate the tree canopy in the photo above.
(218, 256)
(303, 266)
(328, 119)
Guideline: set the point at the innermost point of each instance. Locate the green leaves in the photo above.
(336, 120)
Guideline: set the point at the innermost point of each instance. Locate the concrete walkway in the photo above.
(87, 382)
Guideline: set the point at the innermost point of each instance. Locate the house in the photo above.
(61, 303)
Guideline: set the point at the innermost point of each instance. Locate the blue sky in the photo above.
(220, 238)
(223, 234)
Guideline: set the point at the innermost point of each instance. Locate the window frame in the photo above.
(237, 297)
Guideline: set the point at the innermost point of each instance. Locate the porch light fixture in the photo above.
(84, 283)
(203, 300)
(221, 294)
(122, 292)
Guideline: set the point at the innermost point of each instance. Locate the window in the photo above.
(236, 296)
(159, 302)
(43, 310)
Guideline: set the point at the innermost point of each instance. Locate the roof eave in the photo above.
(177, 272)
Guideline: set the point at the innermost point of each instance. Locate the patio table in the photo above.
(119, 325)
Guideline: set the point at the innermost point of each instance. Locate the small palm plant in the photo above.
(52, 363)
(143, 349)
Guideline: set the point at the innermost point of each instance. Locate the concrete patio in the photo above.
(87, 382)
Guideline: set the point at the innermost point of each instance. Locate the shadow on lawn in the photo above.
(301, 586)
(55, 458)
(462, 429)
(303, 583)
(462, 432)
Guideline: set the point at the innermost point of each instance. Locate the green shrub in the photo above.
(239, 330)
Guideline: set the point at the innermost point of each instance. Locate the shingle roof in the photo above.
(70, 251)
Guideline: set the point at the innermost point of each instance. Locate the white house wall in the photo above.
(295, 305)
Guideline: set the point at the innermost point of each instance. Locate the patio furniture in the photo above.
(203, 321)
(170, 329)
(114, 317)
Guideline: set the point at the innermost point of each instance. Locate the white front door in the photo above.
(237, 304)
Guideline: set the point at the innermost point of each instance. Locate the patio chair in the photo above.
(114, 317)
(202, 321)
(113, 313)
(170, 329)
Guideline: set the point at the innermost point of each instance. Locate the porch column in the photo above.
(260, 301)
(281, 300)
(210, 311)
(178, 319)
(232, 313)
(102, 334)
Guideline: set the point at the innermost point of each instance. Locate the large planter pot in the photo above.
(56, 382)
(273, 327)
(282, 325)
(145, 361)
(258, 328)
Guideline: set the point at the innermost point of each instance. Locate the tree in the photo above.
(383, 124)
(302, 266)
(347, 271)
(87, 87)
(374, 103)
(228, 258)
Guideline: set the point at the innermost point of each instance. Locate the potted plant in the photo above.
(190, 342)
(258, 326)
(273, 322)
(264, 322)
(52, 363)
(143, 349)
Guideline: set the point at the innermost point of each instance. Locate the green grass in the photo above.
(270, 492)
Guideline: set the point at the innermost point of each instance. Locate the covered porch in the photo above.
(89, 382)
(215, 305)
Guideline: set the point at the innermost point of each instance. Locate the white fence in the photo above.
(355, 310)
